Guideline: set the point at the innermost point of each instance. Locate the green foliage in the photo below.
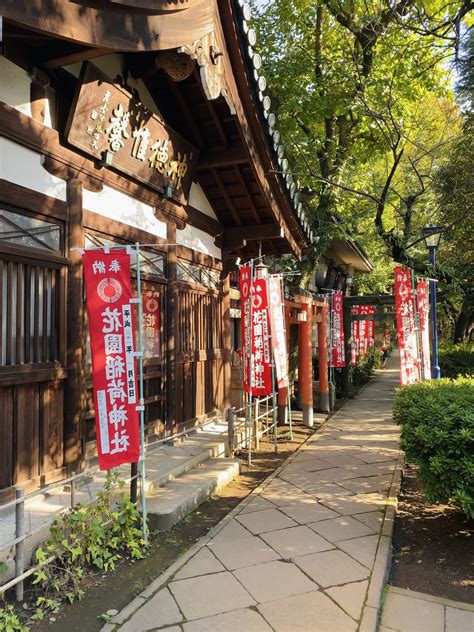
(10, 621)
(437, 420)
(367, 113)
(362, 372)
(89, 537)
(366, 365)
(456, 360)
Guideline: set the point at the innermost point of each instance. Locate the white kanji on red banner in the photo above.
(423, 310)
(338, 355)
(406, 327)
(278, 330)
(108, 292)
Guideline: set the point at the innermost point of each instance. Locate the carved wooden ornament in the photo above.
(208, 54)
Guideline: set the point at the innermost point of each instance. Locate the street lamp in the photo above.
(431, 236)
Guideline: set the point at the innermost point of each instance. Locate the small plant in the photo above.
(437, 420)
(10, 621)
(88, 537)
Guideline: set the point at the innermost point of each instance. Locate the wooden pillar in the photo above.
(171, 329)
(283, 393)
(323, 361)
(305, 362)
(227, 339)
(75, 388)
(39, 81)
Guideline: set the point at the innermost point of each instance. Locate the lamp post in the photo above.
(431, 236)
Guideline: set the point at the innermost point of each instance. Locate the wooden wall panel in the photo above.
(51, 424)
(189, 392)
(6, 436)
(26, 445)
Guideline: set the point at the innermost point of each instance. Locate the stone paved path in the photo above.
(407, 611)
(298, 554)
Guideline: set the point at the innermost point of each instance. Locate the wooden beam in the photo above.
(199, 140)
(211, 110)
(32, 200)
(226, 197)
(230, 243)
(254, 233)
(76, 54)
(223, 158)
(66, 172)
(200, 220)
(249, 195)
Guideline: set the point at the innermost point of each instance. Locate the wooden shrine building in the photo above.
(122, 122)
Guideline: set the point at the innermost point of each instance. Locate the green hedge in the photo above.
(437, 422)
(456, 360)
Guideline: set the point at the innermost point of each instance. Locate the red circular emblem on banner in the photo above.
(109, 290)
(152, 304)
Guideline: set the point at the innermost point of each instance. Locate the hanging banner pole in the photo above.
(251, 372)
(141, 406)
(120, 431)
(423, 310)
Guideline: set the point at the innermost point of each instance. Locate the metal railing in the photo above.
(21, 534)
(249, 436)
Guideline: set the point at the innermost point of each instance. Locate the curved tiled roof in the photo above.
(258, 82)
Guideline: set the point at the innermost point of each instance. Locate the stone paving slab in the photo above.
(313, 612)
(207, 595)
(305, 551)
(409, 611)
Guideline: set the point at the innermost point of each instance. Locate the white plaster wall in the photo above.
(24, 167)
(198, 240)
(15, 86)
(198, 199)
(15, 90)
(123, 208)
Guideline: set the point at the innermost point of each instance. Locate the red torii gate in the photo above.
(308, 310)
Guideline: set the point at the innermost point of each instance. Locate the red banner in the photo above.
(151, 323)
(260, 361)
(355, 342)
(423, 310)
(108, 288)
(406, 328)
(245, 285)
(363, 331)
(278, 329)
(338, 350)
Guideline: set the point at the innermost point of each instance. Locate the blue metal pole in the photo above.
(435, 370)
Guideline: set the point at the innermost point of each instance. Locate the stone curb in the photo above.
(164, 578)
(383, 558)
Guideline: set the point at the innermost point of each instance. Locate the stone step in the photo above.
(175, 500)
(170, 462)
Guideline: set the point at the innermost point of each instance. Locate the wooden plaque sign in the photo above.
(110, 124)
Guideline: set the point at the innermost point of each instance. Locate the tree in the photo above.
(455, 189)
(363, 98)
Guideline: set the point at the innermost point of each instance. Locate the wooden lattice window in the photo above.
(32, 286)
